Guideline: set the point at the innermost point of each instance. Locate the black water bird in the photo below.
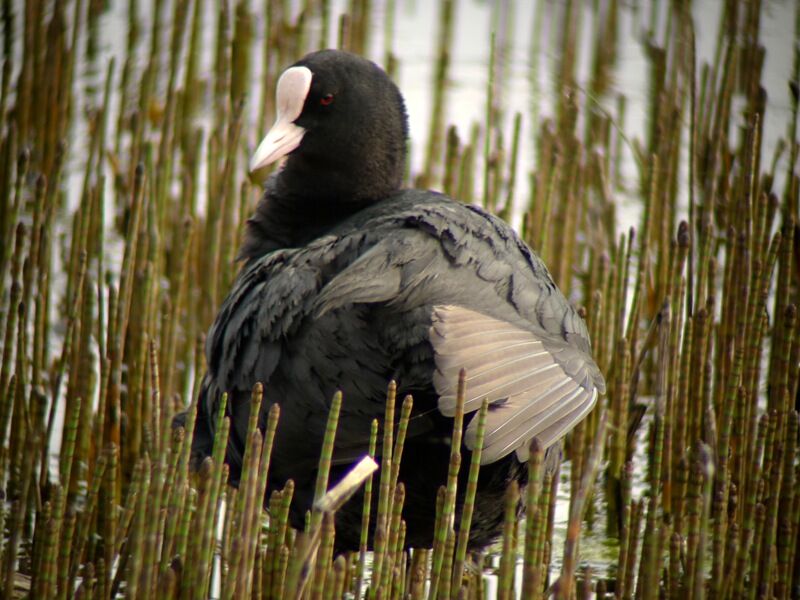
(350, 281)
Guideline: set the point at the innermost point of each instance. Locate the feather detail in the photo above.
(536, 387)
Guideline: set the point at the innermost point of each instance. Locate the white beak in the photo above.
(284, 136)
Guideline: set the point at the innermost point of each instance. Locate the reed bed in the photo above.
(113, 264)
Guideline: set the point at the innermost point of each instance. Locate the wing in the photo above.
(535, 387)
(494, 311)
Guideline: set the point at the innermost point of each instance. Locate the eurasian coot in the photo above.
(350, 281)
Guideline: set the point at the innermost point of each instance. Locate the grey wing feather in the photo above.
(537, 387)
(553, 432)
(359, 284)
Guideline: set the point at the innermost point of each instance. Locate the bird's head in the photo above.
(341, 126)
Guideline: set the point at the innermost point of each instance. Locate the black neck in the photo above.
(287, 220)
(311, 194)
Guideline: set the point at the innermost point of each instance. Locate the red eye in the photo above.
(326, 100)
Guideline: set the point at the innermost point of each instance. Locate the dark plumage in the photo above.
(350, 282)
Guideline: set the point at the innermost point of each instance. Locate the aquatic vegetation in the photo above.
(115, 259)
